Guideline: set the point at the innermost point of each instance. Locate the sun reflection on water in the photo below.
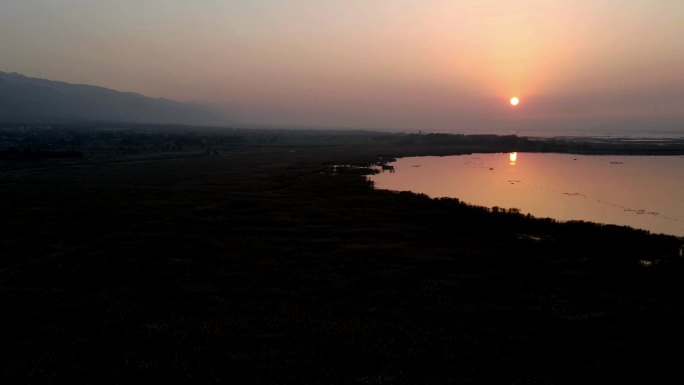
(513, 157)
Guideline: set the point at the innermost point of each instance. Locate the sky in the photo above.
(432, 65)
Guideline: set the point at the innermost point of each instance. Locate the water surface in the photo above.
(644, 192)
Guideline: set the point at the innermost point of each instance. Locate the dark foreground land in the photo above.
(250, 260)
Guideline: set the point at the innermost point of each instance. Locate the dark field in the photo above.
(247, 260)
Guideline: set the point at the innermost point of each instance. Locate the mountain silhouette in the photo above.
(29, 100)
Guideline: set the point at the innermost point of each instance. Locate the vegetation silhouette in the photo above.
(260, 265)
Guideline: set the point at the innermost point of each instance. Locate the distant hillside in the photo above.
(25, 99)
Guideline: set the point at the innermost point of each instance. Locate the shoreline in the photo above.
(388, 166)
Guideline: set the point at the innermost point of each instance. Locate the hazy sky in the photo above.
(424, 64)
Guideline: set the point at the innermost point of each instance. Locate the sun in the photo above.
(515, 101)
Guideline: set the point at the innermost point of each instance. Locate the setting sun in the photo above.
(515, 101)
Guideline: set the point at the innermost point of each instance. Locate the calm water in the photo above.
(645, 192)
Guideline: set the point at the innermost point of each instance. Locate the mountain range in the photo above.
(30, 100)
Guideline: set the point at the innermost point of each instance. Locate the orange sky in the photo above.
(431, 65)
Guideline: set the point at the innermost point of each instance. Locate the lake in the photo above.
(645, 192)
